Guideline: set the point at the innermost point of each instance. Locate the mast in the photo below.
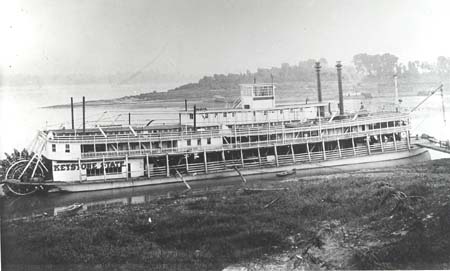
(84, 115)
(71, 110)
(396, 92)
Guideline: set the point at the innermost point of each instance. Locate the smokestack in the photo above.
(195, 118)
(319, 88)
(71, 110)
(341, 94)
(129, 118)
(84, 114)
(185, 105)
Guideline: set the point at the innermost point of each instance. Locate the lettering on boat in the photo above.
(92, 165)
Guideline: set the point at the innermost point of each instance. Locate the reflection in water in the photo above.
(58, 203)
(54, 203)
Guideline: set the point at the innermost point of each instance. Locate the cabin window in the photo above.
(246, 106)
(113, 170)
(233, 114)
(189, 142)
(205, 116)
(100, 148)
(53, 147)
(208, 141)
(87, 148)
(224, 114)
(265, 113)
(199, 142)
(191, 116)
(94, 171)
(67, 147)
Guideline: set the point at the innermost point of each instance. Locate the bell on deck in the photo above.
(257, 96)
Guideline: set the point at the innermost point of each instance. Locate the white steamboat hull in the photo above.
(380, 160)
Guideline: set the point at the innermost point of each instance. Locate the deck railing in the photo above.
(246, 145)
(214, 133)
(259, 162)
(282, 160)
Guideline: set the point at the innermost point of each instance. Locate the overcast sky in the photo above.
(194, 37)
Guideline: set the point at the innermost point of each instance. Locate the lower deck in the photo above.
(209, 162)
(378, 160)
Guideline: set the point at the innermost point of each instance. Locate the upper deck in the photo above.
(127, 133)
(241, 116)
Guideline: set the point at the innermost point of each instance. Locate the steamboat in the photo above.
(254, 136)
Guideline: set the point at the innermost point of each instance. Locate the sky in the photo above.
(201, 37)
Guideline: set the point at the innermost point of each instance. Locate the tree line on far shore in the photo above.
(364, 67)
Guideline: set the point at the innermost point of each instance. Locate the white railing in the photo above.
(167, 136)
(246, 145)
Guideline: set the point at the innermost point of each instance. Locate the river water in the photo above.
(23, 111)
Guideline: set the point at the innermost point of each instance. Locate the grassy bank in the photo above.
(393, 219)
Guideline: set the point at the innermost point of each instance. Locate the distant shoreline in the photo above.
(156, 103)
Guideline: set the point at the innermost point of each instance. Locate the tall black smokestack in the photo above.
(341, 94)
(84, 114)
(319, 87)
(71, 110)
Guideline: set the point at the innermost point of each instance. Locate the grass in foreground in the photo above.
(396, 219)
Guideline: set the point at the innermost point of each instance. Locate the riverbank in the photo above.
(391, 219)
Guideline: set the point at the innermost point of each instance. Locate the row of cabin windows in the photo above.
(102, 147)
(225, 114)
(109, 133)
(206, 115)
(99, 171)
(67, 148)
(199, 142)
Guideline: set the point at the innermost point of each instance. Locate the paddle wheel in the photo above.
(25, 172)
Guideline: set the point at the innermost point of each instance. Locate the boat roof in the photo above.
(277, 107)
(121, 128)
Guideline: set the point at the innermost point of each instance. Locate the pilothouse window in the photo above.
(67, 147)
(53, 147)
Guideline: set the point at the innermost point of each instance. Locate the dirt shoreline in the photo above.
(395, 218)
